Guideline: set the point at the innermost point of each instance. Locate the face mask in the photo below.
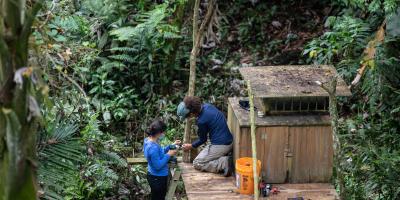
(161, 137)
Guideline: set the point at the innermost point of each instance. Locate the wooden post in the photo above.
(197, 40)
(330, 88)
(173, 183)
(253, 140)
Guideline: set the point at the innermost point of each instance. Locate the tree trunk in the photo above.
(18, 105)
(330, 88)
(197, 40)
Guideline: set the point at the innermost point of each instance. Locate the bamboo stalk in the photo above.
(253, 141)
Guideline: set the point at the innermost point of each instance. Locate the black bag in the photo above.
(245, 104)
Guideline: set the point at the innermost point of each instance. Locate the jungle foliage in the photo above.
(370, 125)
(111, 66)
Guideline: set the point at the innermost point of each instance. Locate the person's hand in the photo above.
(171, 152)
(187, 147)
(177, 142)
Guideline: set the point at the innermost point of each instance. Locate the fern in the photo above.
(123, 57)
(113, 159)
(104, 177)
(59, 157)
(147, 24)
(125, 49)
(110, 65)
(171, 35)
(373, 6)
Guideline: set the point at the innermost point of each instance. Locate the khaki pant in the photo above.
(213, 158)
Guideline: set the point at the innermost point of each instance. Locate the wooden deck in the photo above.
(202, 185)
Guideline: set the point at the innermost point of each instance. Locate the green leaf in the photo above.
(393, 24)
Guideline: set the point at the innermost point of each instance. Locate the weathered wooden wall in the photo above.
(289, 153)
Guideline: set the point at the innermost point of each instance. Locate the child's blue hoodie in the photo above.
(157, 158)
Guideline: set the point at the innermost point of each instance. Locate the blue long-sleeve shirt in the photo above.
(157, 158)
(212, 122)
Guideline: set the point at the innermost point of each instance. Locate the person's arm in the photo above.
(202, 132)
(156, 161)
(166, 148)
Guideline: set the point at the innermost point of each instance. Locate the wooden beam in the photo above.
(173, 184)
(136, 160)
(143, 160)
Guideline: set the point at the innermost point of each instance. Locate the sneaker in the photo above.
(228, 171)
(231, 163)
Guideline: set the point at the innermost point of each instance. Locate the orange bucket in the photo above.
(244, 175)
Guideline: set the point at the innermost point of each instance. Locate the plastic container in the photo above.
(244, 175)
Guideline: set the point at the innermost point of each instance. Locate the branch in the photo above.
(330, 88)
(197, 39)
(195, 19)
(74, 83)
(370, 53)
(67, 77)
(204, 24)
(196, 46)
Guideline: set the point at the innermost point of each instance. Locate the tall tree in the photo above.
(19, 110)
(198, 34)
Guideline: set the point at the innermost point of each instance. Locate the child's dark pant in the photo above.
(158, 185)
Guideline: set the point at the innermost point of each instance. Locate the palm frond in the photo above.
(113, 158)
(59, 154)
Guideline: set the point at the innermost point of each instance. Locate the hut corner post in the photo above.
(253, 141)
(330, 88)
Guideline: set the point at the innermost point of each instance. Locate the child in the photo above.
(157, 158)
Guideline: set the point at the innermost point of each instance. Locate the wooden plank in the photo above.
(312, 154)
(298, 143)
(276, 120)
(320, 146)
(245, 143)
(291, 81)
(271, 143)
(309, 191)
(142, 160)
(274, 164)
(202, 185)
(173, 184)
(310, 149)
(136, 160)
(234, 128)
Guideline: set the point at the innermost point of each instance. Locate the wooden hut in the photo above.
(294, 138)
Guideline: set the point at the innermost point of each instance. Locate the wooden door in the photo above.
(312, 154)
(271, 145)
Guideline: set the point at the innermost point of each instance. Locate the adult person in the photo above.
(212, 124)
(157, 158)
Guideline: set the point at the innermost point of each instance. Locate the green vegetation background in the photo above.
(114, 65)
